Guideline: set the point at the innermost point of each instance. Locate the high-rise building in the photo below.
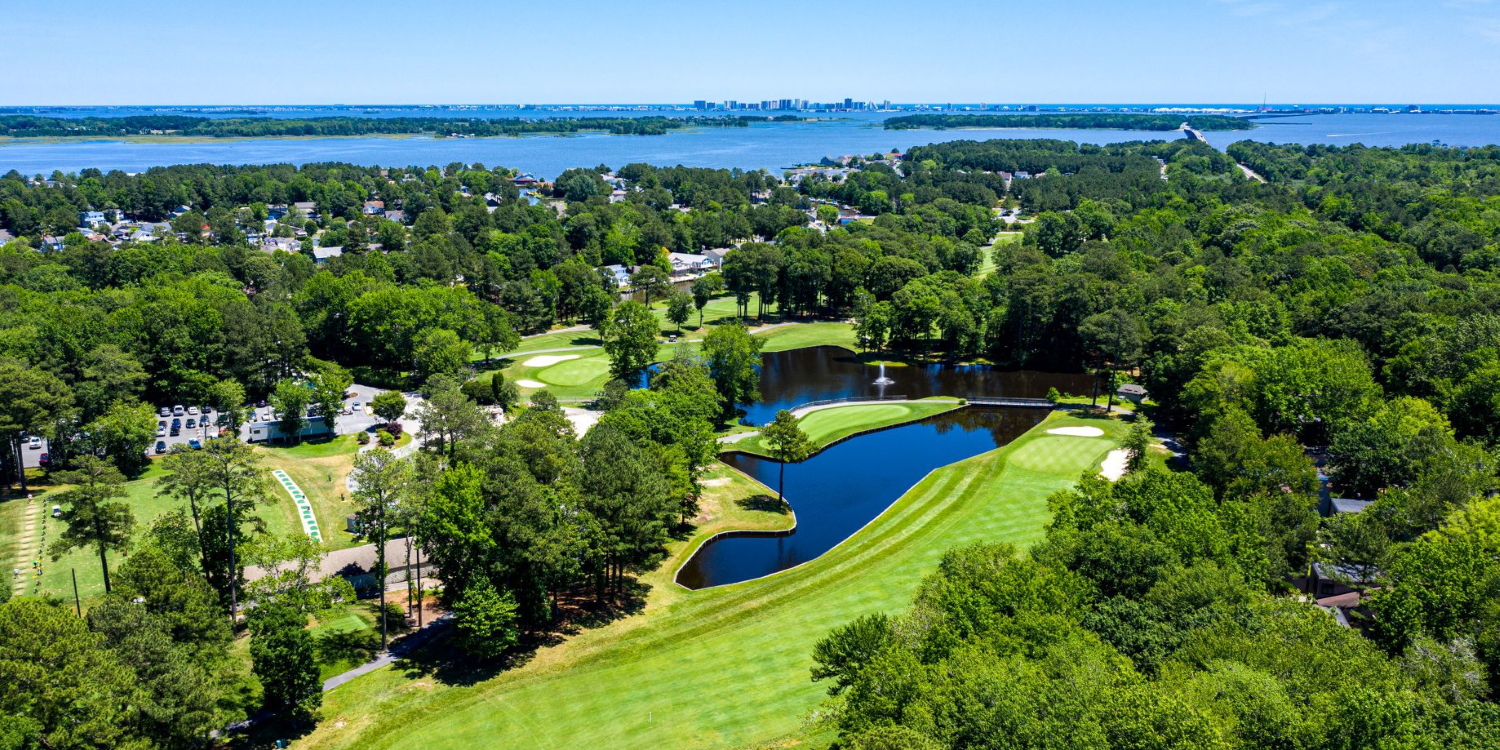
(700, 104)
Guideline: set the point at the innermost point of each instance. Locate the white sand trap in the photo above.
(582, 419)
(1114, 464)
(1077, 431)
(530, 384)
(548, 360)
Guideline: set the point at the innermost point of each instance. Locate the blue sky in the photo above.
(452, 51)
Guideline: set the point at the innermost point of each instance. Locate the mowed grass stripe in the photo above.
(724, 666)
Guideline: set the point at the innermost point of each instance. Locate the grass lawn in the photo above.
(802, 335)
(583, 371)
(319, 468)
(987, 263)
(728, 666)
(826, 426)
(719, 310)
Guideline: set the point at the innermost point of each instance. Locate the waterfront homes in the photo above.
(690, 264)
(620, 273)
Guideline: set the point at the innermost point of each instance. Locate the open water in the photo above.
(771, 146)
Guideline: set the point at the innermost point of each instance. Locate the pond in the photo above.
(791, 378)
(838, 491)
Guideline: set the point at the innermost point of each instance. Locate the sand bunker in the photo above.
(530, 384)
(548, 360)
(1115, 464)
(582, 419)
(1077, 431)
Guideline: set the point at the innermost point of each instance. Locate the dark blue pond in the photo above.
(792, 378)
(838, 491)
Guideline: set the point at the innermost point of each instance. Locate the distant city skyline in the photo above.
(672, 51)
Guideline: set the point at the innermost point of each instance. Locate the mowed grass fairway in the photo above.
(825, 426)
(572, 366)
(722, 667)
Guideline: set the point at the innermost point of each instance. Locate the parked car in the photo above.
(261, 403)
(178, 411)
(35, 443)
(46, 458)
(192, 423)
(176, 423)
(164, 412)
(195, 444)
(193, 410)
(358, 407)
(161, 447)
(161, 432)
(175, 431)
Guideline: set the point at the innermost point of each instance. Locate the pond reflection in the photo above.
(838, 491)
(791, 378)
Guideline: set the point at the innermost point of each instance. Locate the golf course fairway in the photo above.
(726, 666)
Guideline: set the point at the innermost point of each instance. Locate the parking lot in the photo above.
(204, 424)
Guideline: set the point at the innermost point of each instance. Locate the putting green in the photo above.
(574, 372)
(727, 666)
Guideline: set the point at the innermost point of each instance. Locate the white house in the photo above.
(322, 254)
(90, 218)
(689, 263)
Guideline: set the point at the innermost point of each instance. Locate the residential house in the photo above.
(284, 244)
(1332, 506)
(374, 208)
(717, 256)
(620, 273)
(308, 208)
(396, 215)
(322, 254)
(6, 236)
(358, 563)
(90, 218)
(617, 196)
(690, 264)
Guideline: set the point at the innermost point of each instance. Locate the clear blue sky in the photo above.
(500, 51)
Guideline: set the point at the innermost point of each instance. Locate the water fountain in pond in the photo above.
(883, 380)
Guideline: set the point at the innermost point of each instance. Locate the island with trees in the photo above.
(1069, 121)
(188, 126)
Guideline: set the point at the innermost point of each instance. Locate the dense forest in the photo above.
(30, 126)
(1079, 121)
(1339, 319)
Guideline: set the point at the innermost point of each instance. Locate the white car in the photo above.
(35, 443)
(193, 410)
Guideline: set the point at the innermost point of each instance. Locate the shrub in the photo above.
(394, 428)
(362, 438)
(386, 439)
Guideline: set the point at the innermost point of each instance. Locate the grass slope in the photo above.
(728, 666)
(826, 426)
